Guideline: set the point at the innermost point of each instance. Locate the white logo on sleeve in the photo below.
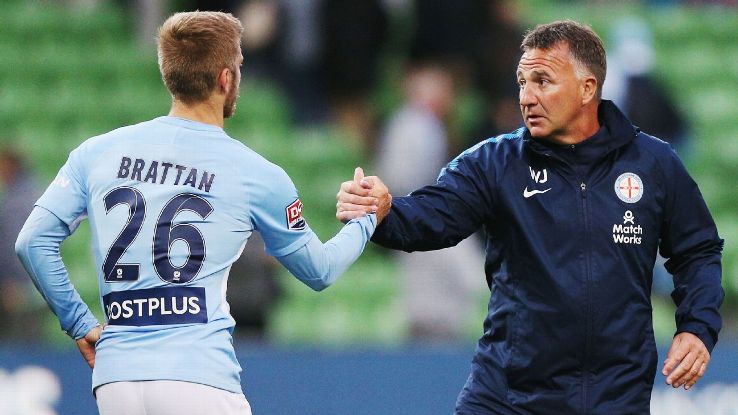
(61, 181)
(627, 232)
(629, 187)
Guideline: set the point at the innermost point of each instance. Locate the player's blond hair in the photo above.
(193, 48)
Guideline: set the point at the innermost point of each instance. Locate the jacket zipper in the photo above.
(587, 276)
(587, 293)
(587, 267)
(587, 299)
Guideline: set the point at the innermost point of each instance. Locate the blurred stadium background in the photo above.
(71, 70)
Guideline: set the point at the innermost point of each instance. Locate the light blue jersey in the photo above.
(171, 204)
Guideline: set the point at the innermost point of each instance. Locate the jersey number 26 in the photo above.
(165, 235)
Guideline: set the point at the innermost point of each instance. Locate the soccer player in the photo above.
(574, 206)
(171, 204)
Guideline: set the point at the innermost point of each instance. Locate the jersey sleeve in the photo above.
(37, 247)
(276, 211)
(319, 265)
(66, 196)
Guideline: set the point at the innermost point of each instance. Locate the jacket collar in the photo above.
(615, 131)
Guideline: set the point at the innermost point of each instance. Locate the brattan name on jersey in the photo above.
(627, 232)
(158, 171)
(156, 306)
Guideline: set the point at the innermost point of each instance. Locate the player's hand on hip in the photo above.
(86, 345)
(686, 361)
(353, 198)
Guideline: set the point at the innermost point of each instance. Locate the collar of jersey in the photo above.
(189, 124)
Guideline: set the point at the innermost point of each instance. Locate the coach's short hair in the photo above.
(193, 48)
(585, 46)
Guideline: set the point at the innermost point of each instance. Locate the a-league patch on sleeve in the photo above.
(295, 221)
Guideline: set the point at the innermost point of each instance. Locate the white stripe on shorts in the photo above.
(168, 397)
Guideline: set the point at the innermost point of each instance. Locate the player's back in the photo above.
(171, 203)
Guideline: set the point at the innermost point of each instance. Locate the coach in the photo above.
(574, 206)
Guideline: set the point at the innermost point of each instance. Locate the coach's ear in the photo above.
(588, 89)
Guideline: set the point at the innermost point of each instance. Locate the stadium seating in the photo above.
(67, 75)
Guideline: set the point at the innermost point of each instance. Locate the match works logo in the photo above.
(295, 221)
(627, 232)
(629, 187)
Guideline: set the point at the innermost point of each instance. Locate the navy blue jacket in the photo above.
(571, 239)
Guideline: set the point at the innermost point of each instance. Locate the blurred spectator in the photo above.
(499, 62)
(281, 44)
(300, 56)
(353, 33)
(253, 290)
(323, 53)
(450, 31)
(481, 38)
(440, 287)
(149, 15)
(418, 127)
(631, 84)
(21, 314)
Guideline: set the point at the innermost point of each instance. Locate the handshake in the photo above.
(362, 196)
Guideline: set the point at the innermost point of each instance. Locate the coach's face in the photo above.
(551, 93)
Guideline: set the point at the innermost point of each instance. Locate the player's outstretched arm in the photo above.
(363, 203)
(319, 264)
(294, 244)
(37, 247)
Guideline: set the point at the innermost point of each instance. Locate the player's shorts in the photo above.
(166, 397)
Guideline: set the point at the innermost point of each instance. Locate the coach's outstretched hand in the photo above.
(86, 345)
(361, 196)
(686, 361)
